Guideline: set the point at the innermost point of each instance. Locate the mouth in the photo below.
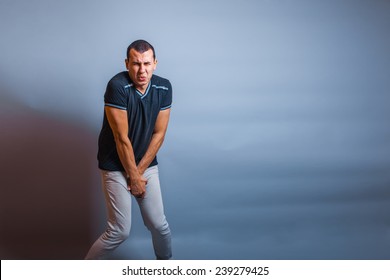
(142, 79)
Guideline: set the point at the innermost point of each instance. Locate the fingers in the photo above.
(138, 194)
(137, 187)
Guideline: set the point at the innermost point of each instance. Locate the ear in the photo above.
(127, 63)
(155, 65)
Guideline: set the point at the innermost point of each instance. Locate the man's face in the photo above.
(141, 67)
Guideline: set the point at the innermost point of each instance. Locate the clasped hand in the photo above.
(137, 186)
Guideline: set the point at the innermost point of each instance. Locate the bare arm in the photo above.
(157, 140)
(119, 124)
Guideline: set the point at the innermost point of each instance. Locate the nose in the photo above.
(142, 68)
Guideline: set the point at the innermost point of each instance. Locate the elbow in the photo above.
(160, 137)
(120, 139)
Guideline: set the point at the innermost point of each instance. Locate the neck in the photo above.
(142, 89)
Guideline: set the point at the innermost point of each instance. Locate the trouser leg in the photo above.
(118, 204)
(152, 211)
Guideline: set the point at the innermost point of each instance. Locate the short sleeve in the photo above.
(115, 95)
(166, 102)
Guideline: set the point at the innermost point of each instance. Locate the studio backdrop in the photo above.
(278, 145)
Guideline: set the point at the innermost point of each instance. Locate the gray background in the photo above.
(278, 145)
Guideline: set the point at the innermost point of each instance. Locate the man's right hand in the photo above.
(137, 186)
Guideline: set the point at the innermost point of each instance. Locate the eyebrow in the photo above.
(140, 62)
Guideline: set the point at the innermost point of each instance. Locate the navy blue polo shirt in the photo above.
(142, 111)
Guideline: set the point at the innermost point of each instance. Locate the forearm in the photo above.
(126, 156)
(151, 152)
(118, 121)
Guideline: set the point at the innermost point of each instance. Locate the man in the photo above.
(136, 115)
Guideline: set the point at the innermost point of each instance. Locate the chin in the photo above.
(143, 82)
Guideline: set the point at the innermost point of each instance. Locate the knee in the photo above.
(122, 234)
(117, 235)
(161, 226)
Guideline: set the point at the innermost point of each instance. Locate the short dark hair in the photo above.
(140, 46)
